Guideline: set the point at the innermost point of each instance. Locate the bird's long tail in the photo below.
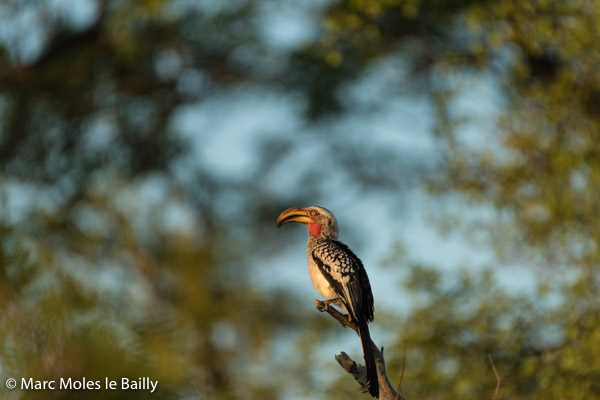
(365, 339)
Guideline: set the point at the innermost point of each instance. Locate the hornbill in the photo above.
(338, 275)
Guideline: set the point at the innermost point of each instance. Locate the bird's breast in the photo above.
(319, 281)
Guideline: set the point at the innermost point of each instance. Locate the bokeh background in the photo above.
(147, 147)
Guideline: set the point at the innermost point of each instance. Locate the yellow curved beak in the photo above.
(294, 214)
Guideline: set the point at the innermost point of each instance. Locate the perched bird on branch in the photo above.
(338, 275)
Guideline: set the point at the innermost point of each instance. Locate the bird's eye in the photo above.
(313, 212)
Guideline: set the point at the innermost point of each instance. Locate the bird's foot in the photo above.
(323, 305)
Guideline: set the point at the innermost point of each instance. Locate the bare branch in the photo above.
(341, 318)
(498, 378)
(352, 368)
(402, 368)
(359, 372)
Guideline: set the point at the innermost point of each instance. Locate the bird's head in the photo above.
(320, 221)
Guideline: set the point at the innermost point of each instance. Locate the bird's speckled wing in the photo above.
(367, 293)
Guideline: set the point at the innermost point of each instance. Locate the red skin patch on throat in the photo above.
(314, 229)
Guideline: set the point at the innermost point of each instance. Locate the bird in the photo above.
(338, 275)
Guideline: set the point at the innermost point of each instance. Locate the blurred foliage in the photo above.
(540, 350)
(542, 165)
(536, 163)
(96, 280)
